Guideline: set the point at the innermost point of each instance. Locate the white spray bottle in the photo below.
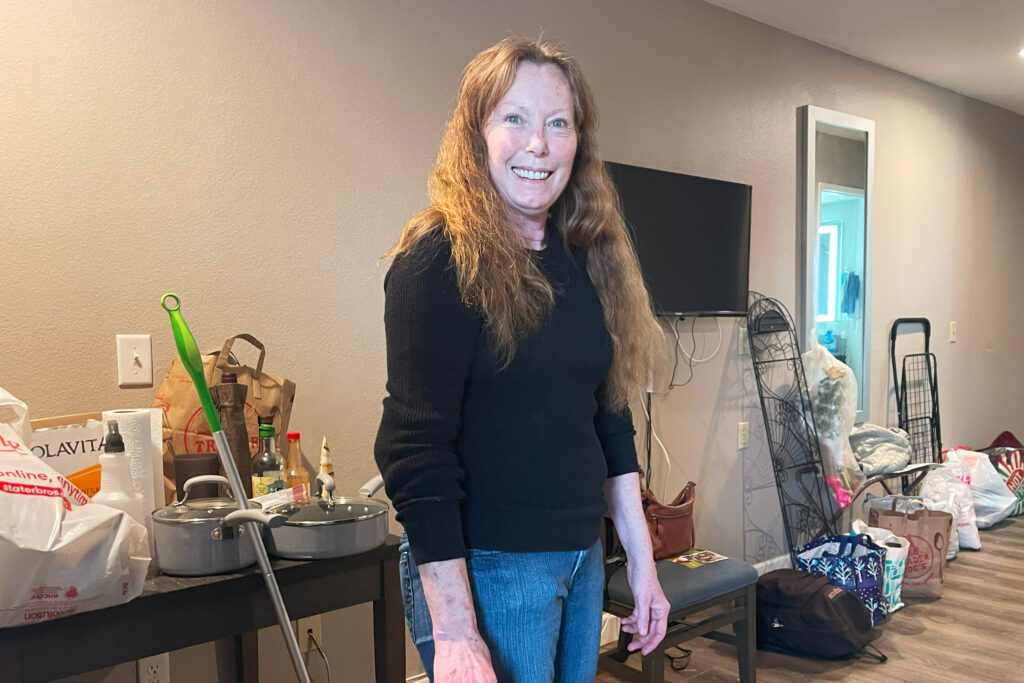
(116, 478)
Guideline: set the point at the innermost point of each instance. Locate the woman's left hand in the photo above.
(650, 615)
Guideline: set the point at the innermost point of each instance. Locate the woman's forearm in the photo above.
(449, 598)
(622, 494)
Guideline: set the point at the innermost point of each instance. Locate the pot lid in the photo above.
(345, 510)
(198, 510)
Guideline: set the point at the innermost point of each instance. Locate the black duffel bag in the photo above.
(804, 614)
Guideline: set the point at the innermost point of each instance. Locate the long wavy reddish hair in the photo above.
(496, 273)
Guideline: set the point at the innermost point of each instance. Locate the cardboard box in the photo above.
(71, 445)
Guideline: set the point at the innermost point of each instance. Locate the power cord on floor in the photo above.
(680, 661)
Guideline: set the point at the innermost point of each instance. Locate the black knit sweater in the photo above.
(482, 457)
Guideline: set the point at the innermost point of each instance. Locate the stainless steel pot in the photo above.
(329, 526)
(205, 536)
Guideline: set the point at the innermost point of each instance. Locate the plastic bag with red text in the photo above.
(71, 555)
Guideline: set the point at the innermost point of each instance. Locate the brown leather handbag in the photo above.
(671, 525)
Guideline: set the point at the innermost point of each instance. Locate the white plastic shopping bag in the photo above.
(832, 388)
(896, 551)
(993, 502)
(942, 483)
(71, 555)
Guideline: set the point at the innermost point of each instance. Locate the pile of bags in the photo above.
(903, 548)
(843, 586)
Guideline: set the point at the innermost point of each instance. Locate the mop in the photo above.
(193, 363)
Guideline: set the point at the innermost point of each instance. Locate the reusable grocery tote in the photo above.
(896, 551)
(928, 533)
(854, 563)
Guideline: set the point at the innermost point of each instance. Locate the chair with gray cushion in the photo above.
(703, 600)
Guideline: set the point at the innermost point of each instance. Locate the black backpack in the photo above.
(804, 614)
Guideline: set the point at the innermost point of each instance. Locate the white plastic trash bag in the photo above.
(993, 502)
(948, 504)
(70, 555)
(897, 549)
(832, 388)
(943, 482)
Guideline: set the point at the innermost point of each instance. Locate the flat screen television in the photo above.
(692, 237)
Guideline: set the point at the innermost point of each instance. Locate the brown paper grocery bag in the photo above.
(928, 533)
(185, 427)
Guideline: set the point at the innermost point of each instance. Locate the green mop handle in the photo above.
(190, 358)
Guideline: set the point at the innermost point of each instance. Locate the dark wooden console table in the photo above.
(175, 612)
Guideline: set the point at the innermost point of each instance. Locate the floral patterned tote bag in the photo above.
(854, 563)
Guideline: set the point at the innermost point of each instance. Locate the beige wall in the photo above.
(258, 157)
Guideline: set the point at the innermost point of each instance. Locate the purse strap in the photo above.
(686, 495)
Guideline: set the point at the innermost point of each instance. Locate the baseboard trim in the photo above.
(778, 562)
(421, 678)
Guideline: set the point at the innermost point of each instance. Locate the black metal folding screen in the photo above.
(808, 507)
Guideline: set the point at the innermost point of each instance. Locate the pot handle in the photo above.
(371, 487)
(203, 479)
(259, 516)
(325, 481)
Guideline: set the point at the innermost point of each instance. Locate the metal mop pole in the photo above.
(190, 358)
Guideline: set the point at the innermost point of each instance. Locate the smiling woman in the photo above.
(517, 324)
(531, 144)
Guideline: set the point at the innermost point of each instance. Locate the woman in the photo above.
(517, 325)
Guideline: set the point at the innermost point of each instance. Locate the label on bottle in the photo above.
(270, 481)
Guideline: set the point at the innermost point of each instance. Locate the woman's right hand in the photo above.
(463, 660)
(460, 654)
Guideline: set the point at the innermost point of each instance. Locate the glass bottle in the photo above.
(267, 468)
(294, 464)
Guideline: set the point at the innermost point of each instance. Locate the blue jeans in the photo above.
(539, 613)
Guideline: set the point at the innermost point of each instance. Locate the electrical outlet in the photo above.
(742, 435)
(952, 332)
(155, 669)
(305, 627)
(134, 361)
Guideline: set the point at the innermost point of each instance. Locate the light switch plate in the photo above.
(134, 361)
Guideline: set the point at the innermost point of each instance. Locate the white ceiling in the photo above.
(968, 46)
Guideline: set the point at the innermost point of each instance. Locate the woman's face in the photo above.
(531, 142)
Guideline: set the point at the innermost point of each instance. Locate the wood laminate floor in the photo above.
(973, 633)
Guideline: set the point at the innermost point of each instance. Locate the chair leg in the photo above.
(654, 666)
(621, 653)
(746, 637)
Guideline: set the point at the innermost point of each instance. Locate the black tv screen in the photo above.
(692, 237)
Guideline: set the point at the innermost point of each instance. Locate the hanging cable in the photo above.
(689, 356)
(652, 432)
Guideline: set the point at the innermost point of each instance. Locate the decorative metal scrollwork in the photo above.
(808, 507)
